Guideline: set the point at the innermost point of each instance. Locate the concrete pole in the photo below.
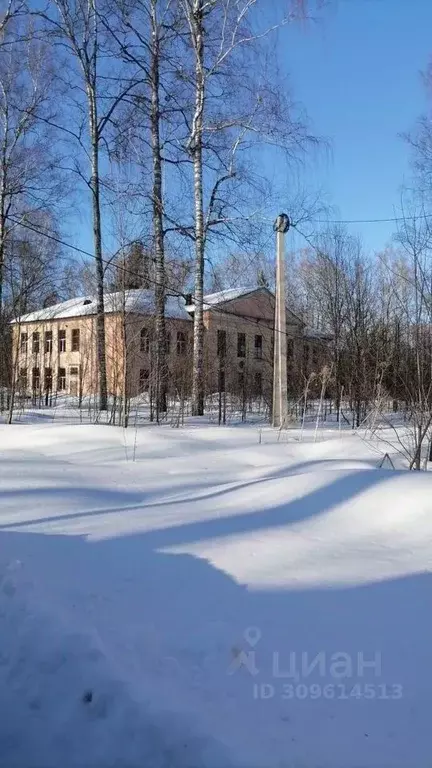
(280, 389)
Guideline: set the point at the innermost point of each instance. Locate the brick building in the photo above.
(55, 348)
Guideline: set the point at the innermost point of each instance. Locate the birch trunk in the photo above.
(96, 211)
(161, 363)
(2, 325)
(3, 231)
(196, 149)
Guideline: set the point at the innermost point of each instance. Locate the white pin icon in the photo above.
(252, 635)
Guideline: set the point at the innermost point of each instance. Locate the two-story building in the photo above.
(55, 347)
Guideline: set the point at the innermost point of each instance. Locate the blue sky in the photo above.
(357, 72)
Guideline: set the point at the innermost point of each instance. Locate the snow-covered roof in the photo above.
(140, 301)
(211, 299)
(229, 294)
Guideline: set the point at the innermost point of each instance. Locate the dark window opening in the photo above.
(181, 343)
(221, 343)
(35, 342)
(23, 379)
(144, 341)
(241, 345)
(144, 377)
(258, 347)
(35, 379)
(167, 343)
(48, 379)
(73, 380)
(75, 340)
(23, 345)
(61, 379)
(48, 341)
(62, 341)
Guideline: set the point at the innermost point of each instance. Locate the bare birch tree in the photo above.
(78, 28)
(30, 183)
(237, 106)
(145, 33)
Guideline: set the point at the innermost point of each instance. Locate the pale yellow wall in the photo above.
(179, 365)
(84, 359)
(251, 315)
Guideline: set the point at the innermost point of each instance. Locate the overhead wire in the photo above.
(172, 292)
(179, 294)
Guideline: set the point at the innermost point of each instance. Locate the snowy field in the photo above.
(225, 599)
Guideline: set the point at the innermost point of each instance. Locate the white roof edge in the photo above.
(229, 294)
(139, 301)
(236, 294)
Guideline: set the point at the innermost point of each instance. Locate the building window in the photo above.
(48, 341)
(168, 343)
(62, 341)
(35, 379)
(181, 343)
(145, 341)
(241, 345)
(23, 379)
(61, 379)
(75, 340)
(258, 383)
(315, 357)
(48, 379)
(35, 343)
(221, 343)
(23, 344)
(73, 380)
(241, 379)
(144, 377)
(290, 349)
(258, 347)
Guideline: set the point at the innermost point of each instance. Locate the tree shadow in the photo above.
(316, 502)
(162, 640)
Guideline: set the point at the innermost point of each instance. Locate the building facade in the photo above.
(55, 348)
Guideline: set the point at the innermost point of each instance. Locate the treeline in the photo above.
(377, 311)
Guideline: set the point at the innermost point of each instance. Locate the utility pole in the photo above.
(280, 389)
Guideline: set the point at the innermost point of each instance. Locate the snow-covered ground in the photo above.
(226, 599)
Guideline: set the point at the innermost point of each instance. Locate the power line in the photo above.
(109, 262)
(395, 219)
(391, 220)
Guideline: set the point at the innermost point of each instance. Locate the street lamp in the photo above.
(280, 387)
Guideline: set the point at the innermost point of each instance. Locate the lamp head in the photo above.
(282, 223)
